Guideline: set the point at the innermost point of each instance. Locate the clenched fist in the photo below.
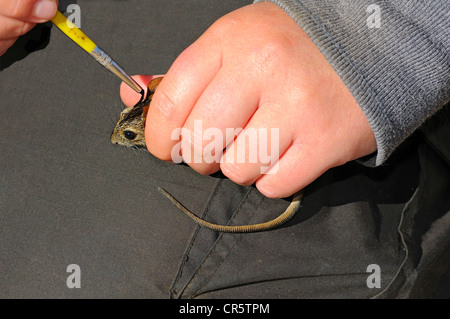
(256, 69)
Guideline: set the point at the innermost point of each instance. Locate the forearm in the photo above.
(398, 73)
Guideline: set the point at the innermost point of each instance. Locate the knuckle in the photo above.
(15, 9)
(18, 9)
(268, 54)
(225, 25)
(23, 28)
(184, 60)
(11, 28)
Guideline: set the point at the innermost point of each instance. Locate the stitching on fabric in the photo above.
(185, 257)
(363, 274)
(213, 251)
(405, 247)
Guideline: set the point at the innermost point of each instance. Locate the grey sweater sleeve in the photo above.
(395, 63)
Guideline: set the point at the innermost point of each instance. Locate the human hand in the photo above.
(256, 68)
(17, 17)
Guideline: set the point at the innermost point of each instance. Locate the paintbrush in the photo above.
(87, 44)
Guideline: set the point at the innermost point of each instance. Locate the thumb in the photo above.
(35, 11)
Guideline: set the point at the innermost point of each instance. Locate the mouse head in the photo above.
(129, 130)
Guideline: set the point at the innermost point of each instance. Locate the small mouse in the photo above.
(129, 132)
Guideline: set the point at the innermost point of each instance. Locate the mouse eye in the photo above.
(129, 135)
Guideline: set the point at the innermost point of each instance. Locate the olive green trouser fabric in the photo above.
(68, 196)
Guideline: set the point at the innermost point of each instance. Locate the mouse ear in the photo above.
(151, 88)
(153, 85)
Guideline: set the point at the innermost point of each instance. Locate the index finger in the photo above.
(177, 95)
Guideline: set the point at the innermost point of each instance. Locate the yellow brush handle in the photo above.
(104, 59)
(73, 32)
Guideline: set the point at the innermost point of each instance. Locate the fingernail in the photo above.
(44, 9)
